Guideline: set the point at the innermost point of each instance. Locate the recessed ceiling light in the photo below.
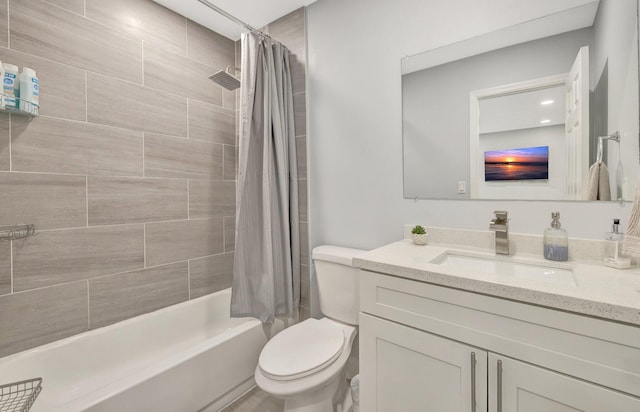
(546, 102)
(545, 121)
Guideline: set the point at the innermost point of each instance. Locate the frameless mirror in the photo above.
(546, 110)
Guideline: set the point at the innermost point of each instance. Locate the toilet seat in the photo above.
(302, 350)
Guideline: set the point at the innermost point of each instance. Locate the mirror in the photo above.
(518, 113)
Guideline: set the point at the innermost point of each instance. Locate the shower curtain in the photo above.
(266, 272)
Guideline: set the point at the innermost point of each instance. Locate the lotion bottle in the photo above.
(613, 248)
(556, 241)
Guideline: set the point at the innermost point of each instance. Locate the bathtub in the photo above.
(185, 358)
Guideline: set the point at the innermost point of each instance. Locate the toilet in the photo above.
(305, 364)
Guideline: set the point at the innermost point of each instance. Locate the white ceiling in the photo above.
(256, 13)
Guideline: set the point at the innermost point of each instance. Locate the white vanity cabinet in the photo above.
(425, 347)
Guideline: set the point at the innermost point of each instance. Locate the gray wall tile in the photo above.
(290, 30)
(211, 123)
(302, 200)
(48, 201)
(166, 156)
(5, 268)
(60, 146)
(63, 86)
(229, 98)
(125, 295)
(123, 104)
(230, 165)
(48, 31)
(229, 233)
(300, 114)
(144, 20)
(4, 29)
(42, 316)
(211, 198)
(76, 6)
(5, 138)
(210, 274)
(59, 256)
(301, 156)
(209, 47)
(173, 73)
(187, 239)
(114, 200)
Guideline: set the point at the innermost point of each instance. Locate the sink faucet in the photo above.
(501, 226)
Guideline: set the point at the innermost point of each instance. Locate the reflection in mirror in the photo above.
(567, 79)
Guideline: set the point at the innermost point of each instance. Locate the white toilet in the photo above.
(304, 364)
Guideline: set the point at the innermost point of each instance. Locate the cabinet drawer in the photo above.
(596, 350)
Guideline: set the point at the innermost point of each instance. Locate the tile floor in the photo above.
(255, 401)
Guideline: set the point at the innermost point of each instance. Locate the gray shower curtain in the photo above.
(266, 272)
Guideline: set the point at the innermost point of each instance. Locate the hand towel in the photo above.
(598, 187)
(631, 244)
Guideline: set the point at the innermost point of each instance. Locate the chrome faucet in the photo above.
(500, 225)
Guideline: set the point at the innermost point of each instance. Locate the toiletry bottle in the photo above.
(556, 241)
(2, 102)
(10, 85)
(613, 248)
(29, 91)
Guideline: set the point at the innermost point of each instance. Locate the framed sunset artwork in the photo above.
(530, 163)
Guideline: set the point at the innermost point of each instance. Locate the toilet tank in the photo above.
(338, 282)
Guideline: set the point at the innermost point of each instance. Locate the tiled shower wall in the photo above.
(290, 30)
(128, 174)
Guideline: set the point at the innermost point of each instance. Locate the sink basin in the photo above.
(503, 267)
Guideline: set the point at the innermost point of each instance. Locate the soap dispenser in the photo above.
(556, 241)
(613, 248)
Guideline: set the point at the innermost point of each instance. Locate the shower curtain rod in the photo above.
(237, 20)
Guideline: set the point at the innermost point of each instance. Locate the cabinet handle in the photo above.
(499, 386)
(473, 381)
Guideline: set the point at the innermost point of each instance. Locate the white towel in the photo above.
(598, 184)
(631, 244)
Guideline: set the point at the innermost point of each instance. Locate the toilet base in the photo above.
(326, 399)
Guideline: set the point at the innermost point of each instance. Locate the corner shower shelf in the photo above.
(29, 109)
(8, 233)
(19, 396)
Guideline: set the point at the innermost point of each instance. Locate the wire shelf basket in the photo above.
(19, 396)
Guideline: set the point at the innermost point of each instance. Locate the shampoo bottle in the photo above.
(556, 241)
(10, 86)
(29, 91)
(613, 248)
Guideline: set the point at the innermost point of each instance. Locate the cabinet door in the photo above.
(404, 369)
(520, 387)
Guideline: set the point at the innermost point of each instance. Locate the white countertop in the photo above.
(598, 290)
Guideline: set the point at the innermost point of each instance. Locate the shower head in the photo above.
(226, 79)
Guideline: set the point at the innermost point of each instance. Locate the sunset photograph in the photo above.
(531, 163)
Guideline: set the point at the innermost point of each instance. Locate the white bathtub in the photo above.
(184, 358)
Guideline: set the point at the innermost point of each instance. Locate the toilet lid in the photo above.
(302, 349)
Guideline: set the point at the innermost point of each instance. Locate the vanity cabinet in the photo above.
(425, 347)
